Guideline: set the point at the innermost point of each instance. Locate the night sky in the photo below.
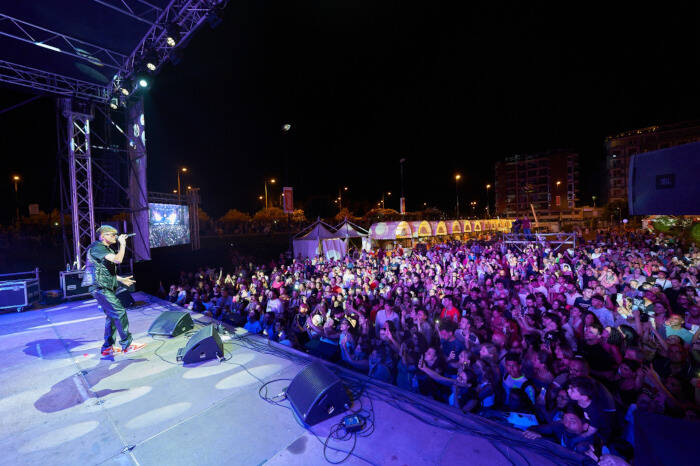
(450, 86)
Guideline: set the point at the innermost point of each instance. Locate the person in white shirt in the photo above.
(274, 304)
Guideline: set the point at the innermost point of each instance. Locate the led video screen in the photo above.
(168, 225)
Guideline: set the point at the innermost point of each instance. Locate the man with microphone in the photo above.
(101, 276)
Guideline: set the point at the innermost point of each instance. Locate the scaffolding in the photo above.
(554, 240)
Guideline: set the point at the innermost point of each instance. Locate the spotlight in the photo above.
(127, 87)
(114, 103)
(151, 61)
(172, 36)
(143, 82)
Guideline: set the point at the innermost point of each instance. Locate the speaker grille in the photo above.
(310, 384)
(171, 323)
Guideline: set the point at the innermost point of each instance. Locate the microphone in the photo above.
(129, 235)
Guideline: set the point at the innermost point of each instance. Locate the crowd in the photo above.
(567, 344)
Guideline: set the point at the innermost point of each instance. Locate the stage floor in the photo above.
(62, 403)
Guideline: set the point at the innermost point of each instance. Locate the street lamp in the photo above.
(340, 196)
(402, 201)
(180, 170)
(488, 201)
(473, 204)
(561, 204)
(594, 198)
(388, 194)
(457, 178)
(272, 181)
(16, 179)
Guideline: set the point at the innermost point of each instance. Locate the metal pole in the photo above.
(457, 195)
(266, 194)
(178, 185)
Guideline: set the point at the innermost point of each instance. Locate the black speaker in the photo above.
(171, 323)
(125, 297)
(317, 394)
(204, 345)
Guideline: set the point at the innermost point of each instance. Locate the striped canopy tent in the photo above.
(352, 232)
(454, 227)
(421, 228)
(390, 230)
(467, 226)
(439, 228)
(318, 239)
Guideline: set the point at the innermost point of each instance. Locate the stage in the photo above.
(62, 403)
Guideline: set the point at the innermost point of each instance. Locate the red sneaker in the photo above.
(110, 351)
(134, 347)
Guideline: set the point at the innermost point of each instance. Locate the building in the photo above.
(621, 147)
(548, 181)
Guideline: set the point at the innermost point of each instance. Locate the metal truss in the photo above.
(554, 240)
(43, 81)
(80, 169)
(187, 15)
(60, 43)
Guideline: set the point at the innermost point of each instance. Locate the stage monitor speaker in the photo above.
(317, 394)
(204, 345)
(125, 298)
(171, 323)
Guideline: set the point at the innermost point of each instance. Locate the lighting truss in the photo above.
(80, 169)
(187, 14)
(46, 82)
(60, 43)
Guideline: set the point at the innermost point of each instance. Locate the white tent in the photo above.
(348, 230)
(318, 239)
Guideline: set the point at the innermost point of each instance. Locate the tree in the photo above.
(233, 216)
(381, 215)
(617, 210)
(342, 215)
(299, 216)
(269, 214)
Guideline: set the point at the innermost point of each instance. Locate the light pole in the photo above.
(473, 204)
(403, 196)
(561, 204)
(594, 198)
(388, 194)
(180, 170)
(488, 201)
(272, 181)
(16, 179)
(340, 197)
(457, 178)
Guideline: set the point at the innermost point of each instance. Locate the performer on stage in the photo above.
(101, 276)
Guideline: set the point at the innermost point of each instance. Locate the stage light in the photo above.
(143, 82)
(172, 36)
(114, 103)
(124, 91)
(151, 61)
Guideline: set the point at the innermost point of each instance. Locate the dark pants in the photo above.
(116, 320)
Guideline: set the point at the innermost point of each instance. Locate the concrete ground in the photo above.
(62, 403)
